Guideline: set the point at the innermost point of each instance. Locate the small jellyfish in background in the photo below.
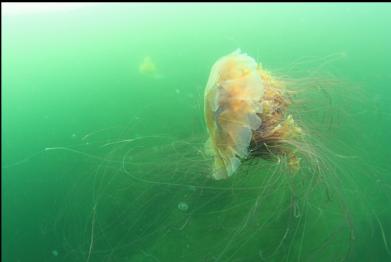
(148, 68)
(246, 115)
(55, 253)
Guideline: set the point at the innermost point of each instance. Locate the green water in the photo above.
(101, 161)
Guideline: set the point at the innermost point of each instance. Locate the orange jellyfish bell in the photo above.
(246, 113)
(232, 107)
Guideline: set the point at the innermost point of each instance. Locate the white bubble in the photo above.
(183, 206)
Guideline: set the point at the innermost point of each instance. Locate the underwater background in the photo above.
(102, 103)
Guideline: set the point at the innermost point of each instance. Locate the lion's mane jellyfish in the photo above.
(246, 113)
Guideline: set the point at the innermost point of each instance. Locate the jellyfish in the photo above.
(246, 115)
(250, 208)
(148, 68)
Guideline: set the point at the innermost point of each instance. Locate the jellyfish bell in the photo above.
(245, 113)
(231, 106)
(148, 68)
